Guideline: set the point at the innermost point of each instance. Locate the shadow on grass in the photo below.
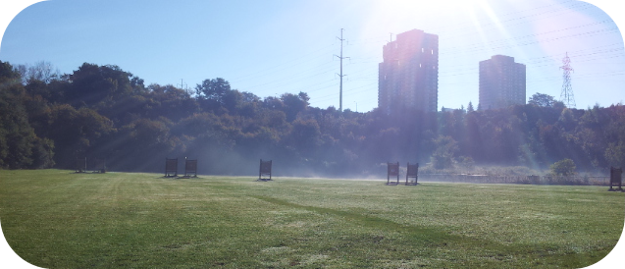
(434, 239)
(421, 233)
(181, 177)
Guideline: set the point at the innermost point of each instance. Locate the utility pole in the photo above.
(566, 96)
(341, 74)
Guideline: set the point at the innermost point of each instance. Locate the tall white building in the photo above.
(502, 83)
(408, 75)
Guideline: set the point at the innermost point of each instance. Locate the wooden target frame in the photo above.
(616, 179)
(392, 170)
(190, 167)
(171, 167)
(264, 170)
(412, 172)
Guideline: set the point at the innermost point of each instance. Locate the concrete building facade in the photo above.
(502, 83)
(408, 75)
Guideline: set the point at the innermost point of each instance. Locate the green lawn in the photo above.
(59, 219)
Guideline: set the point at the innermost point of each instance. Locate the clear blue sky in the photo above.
(275, 46)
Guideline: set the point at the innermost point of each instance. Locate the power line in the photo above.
(366, 75)
(567, 92)
(341, 74)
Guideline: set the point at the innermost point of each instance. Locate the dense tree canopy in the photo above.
(20, 147)
(49, 120)
(544, 100)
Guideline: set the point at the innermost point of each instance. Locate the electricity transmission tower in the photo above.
(567, 91)
(341, 74)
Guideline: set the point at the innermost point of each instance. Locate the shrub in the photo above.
(564, 167)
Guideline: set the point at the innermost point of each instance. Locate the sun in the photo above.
(410, 11)
(438, 7)
(402, 15)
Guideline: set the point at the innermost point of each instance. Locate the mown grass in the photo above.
(58, 219)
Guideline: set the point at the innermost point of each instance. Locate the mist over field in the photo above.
(104, 113)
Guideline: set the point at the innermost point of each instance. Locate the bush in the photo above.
(564, 167)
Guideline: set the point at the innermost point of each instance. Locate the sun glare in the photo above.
(437, 7)
(393, 13)
(386, 18)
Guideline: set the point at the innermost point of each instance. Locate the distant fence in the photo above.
(539, 180)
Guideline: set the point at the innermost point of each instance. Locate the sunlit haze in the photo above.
(272, 47)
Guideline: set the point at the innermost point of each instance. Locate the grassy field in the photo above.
(59, 219)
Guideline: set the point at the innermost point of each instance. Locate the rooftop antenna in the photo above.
(183, 85)
(567, 96)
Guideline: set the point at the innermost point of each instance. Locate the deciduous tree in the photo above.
(565, 167)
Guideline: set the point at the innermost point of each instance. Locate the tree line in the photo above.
(48, 120)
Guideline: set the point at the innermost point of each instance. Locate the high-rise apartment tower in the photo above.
(502, 83)
(408, 76)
